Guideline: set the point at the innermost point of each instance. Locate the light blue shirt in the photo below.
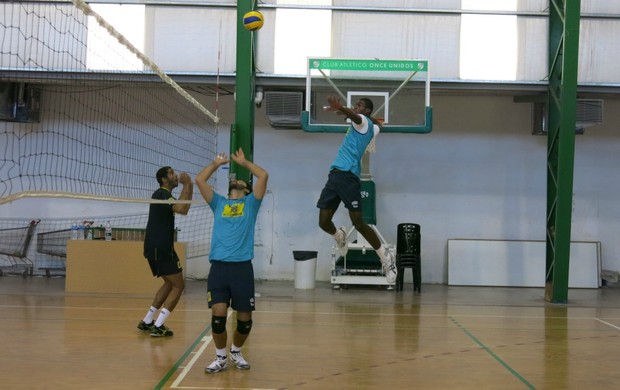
(349, 157)
(233, 227)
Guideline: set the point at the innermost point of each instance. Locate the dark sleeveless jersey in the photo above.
(159, 236)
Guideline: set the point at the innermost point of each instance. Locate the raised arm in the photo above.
(335, 105)
(260, 186)
(186, 194)
(201, 179)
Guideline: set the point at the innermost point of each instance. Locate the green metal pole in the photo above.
(242, 131)
(564, 18)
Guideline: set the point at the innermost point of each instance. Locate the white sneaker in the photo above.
(239, 361)
(342, 244)
(219, 364)
(389, 266)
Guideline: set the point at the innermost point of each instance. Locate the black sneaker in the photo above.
(144, 326)
(160, 331)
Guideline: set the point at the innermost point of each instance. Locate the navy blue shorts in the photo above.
(231, 282)
(164, 263)
(342, 186)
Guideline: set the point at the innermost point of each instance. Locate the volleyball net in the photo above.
(86, 116)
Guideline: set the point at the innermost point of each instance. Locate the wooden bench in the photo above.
(55, 242)
(14, 245)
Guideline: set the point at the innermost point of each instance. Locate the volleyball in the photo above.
(253, 20)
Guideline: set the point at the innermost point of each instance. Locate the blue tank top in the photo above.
(349, 157)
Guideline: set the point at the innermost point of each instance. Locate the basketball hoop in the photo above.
(372, 146)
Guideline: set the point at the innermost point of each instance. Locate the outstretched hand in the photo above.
(221, 159)
(239, 157)
(334, 104)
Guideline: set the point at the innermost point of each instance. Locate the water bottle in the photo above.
(74, 231)
(108, 231)
(80, 231)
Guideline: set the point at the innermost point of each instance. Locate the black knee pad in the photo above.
(244, 327)
(218, 324)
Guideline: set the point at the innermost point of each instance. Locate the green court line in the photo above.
(176, 366)
(497, 358)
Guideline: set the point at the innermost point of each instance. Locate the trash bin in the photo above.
(305, 269)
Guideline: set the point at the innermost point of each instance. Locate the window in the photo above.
(489, 42)
(104, 51)
(301, 34)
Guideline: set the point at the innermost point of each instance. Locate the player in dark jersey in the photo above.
(159, 249)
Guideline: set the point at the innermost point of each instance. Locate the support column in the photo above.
(242, 131)
(564, 18)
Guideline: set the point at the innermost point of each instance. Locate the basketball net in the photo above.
(372, 146)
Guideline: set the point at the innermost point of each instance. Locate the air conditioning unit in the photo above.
(284, 109)
(589, 112)
(19, 102)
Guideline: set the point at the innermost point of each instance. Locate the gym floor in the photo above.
(361, 337)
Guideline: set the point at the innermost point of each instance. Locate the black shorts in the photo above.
(342, 186)
(164, 262)
(231, 282)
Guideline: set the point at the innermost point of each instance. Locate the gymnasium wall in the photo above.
(480, 174)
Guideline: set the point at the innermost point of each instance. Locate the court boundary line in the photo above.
(335, 313)
(607, 323)
(493, 355)
(205, 342)
(176, 366)
(202, 337)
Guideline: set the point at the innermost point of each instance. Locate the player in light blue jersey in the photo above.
(343, 183)
(231, 277)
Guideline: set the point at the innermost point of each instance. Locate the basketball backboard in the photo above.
(399, 89)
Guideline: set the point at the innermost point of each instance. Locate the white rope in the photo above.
(81, 5)
(329, 80)
(73, 195)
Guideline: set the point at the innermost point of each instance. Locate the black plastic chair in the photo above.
(408, 254)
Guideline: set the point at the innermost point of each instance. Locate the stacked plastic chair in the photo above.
(408, 254)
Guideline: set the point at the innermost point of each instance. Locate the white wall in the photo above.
(479, 174)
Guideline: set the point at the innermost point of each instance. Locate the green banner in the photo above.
(368, 65)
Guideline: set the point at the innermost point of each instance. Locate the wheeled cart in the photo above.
(361, 265)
